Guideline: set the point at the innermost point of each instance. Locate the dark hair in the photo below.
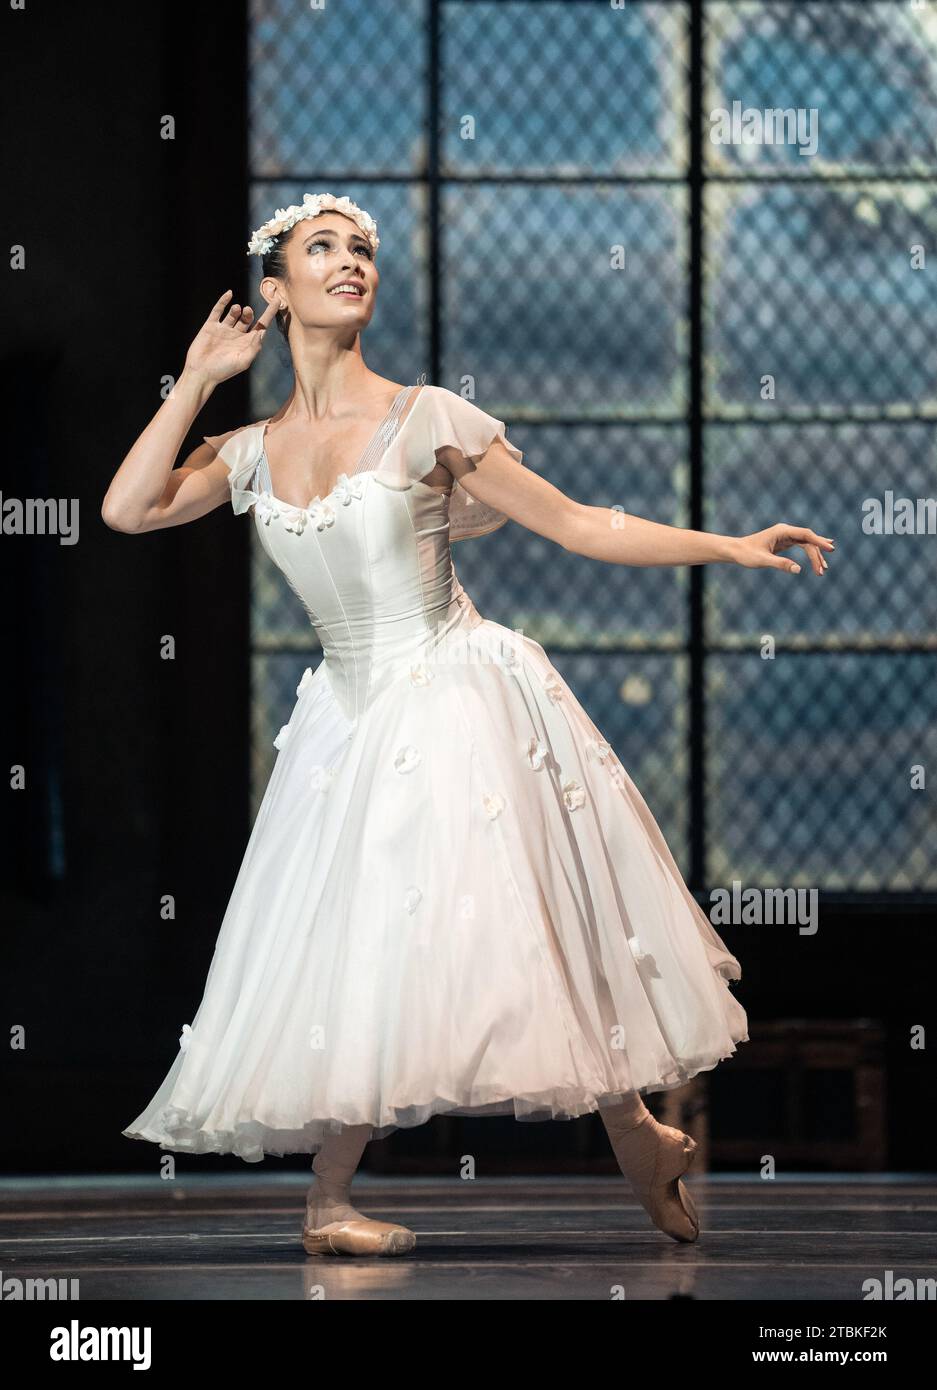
(273, 262)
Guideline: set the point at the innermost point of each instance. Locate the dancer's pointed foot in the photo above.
(361, 1237)
(334, 1227)
(653, 1157)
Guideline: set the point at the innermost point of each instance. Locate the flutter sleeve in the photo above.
(442, 419)
(240, 451)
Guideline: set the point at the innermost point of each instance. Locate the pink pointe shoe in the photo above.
(664, 1196)
(653, 1157)
(348, 1232)
(358, 1238)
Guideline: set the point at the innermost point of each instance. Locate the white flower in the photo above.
(494, 805)
(322, 514)
(599, 749)
(186, 1038)
(411, 899)
(636, 950)
(345, 489)
(420, 674)
(407, 758)
(296, 521)
(282, 736)
(553, 687)
(617, 774)
(307, 677)
(321, 778)
(573, 795)
(313, 203)
(537, 752)
(266, 508)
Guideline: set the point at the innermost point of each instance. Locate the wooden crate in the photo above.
(808, 1092)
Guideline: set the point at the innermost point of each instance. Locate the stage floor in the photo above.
(233, 1236)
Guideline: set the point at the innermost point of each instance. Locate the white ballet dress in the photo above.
(454, 900)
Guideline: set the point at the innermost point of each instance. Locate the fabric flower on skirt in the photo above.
(307, 677)
(408, 758)
(321, 778)
(553, 687)
(494, 805)
(599, 749)
(420, 674)
(186, 1038)
(573, 795)
(537, 752)
(411, 899)
(282, 736)
(636, 950)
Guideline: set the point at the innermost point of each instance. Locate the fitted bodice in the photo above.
(373, 568)
(372, 561)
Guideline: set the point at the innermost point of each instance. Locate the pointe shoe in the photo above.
(664, 1197)
(358, 1238)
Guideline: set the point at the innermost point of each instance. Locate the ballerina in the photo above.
(454, 899)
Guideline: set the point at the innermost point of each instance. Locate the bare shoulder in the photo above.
(386, 392)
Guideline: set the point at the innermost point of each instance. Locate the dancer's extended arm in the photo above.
(621, 538)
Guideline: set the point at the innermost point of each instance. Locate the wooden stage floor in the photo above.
(233, 1236)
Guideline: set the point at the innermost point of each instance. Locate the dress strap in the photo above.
(260, 482)
(385, 432)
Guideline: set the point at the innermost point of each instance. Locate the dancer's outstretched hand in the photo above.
(228, 342)
(760, 550)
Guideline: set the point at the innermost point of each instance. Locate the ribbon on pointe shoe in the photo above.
(332, 1225)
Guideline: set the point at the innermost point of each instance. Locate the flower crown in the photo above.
(313, 203)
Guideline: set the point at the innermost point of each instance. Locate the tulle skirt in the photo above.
(457, 902)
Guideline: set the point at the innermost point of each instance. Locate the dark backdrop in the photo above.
(136, 767)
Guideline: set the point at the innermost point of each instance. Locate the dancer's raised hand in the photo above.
(228, 340)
